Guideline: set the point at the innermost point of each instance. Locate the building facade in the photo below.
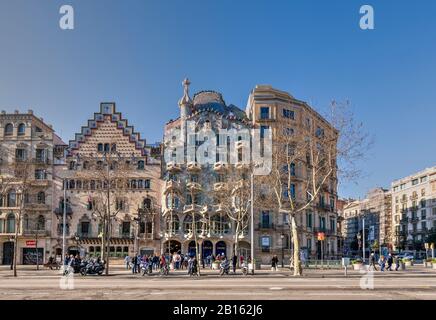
(414, 209)
(193, 188)
(269, 108)
(373, 213)
(29, 150)
(108, 149)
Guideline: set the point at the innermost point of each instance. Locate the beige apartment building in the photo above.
(414, 209)
(374, 213)
(108, 146)
(270, 108)
(29, 150)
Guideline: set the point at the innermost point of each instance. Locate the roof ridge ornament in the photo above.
(185, 100)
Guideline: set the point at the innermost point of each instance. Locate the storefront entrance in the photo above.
(192, 251)
(221, 248)
(207, 247)
(8, 253)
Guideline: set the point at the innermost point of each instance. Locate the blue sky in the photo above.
(136, 53)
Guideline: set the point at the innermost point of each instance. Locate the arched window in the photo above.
(100, 147)
(21, 129)
(85, 165)
(141, 165)
(107, 147)
(12, 198)
(9, 129)
(220, 225)
(113, 147)
(172, 224)
(172, 201)
(187, 224)
(146, 204)
(26, 222)
(40, 224)
(41, 197)
(10, 223)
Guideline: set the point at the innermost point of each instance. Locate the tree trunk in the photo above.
(236, 244)
(298, 270)
(103, 240)
(17, 228)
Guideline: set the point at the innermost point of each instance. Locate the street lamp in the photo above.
(282, 236)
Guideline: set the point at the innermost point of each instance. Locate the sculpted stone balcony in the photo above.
(220, 186)
(240, 165)
(220, 166)
(192, 207)
(173, 167)
(193, 166)
(172, 185)
(194, 187)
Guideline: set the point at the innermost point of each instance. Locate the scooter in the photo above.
(146, 268)
(224, 267)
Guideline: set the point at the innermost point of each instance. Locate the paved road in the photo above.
(417, 283)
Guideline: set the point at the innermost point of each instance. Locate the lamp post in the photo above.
(282, 236)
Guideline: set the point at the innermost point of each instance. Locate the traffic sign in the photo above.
(30, 243)
(321, 236)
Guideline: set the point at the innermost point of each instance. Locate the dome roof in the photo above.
(213, 101)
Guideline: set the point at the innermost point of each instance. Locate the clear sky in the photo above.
(136, 53)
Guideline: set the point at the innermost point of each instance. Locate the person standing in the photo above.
(274, 262)
(372, 262)
(397, 262)
(234, 262)
(382, 263)
(134, 264)
(390, 261)
(127, 261)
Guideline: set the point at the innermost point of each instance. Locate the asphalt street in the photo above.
(415, 283)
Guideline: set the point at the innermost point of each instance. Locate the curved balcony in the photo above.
(220, 186)
(172, 185)
(193, 166)
(193, 186)
(192, 207)
(240, 165)
(220, 166)
(173, 167)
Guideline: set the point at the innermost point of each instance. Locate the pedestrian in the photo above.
(274, 262)
(390, 261)
(127, 261)
(397, 262)
(134, 264)
(155, 262)
(372, 262)
(382, 263)
(234, 262)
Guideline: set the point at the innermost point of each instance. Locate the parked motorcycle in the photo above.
(224, 267)
(93, 267)
(146, 268)
(244, 268)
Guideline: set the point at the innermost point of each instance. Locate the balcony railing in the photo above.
(266, 226)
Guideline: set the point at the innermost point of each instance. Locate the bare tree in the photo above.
(233, 198)
(108, 177)
(305, 165)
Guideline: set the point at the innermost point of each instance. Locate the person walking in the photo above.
(397, 262)
(390, 261)
(274, 262)
(134, 264)
(127, 261)
(234, 262)
(372, 262)
(382, 263)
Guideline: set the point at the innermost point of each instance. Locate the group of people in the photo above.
(384, 262)
(177, 261)
(134, 262)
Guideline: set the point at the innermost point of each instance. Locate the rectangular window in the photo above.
(423, 179)
(126, 228)
(262, 131)
(265, 243)
(264, 113)
(147, 184)
(288, 114)
(84, 229)
(332, 224)
(414, 182)
(309, 219)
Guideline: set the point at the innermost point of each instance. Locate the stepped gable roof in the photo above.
(213, 101)
(108, 109)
